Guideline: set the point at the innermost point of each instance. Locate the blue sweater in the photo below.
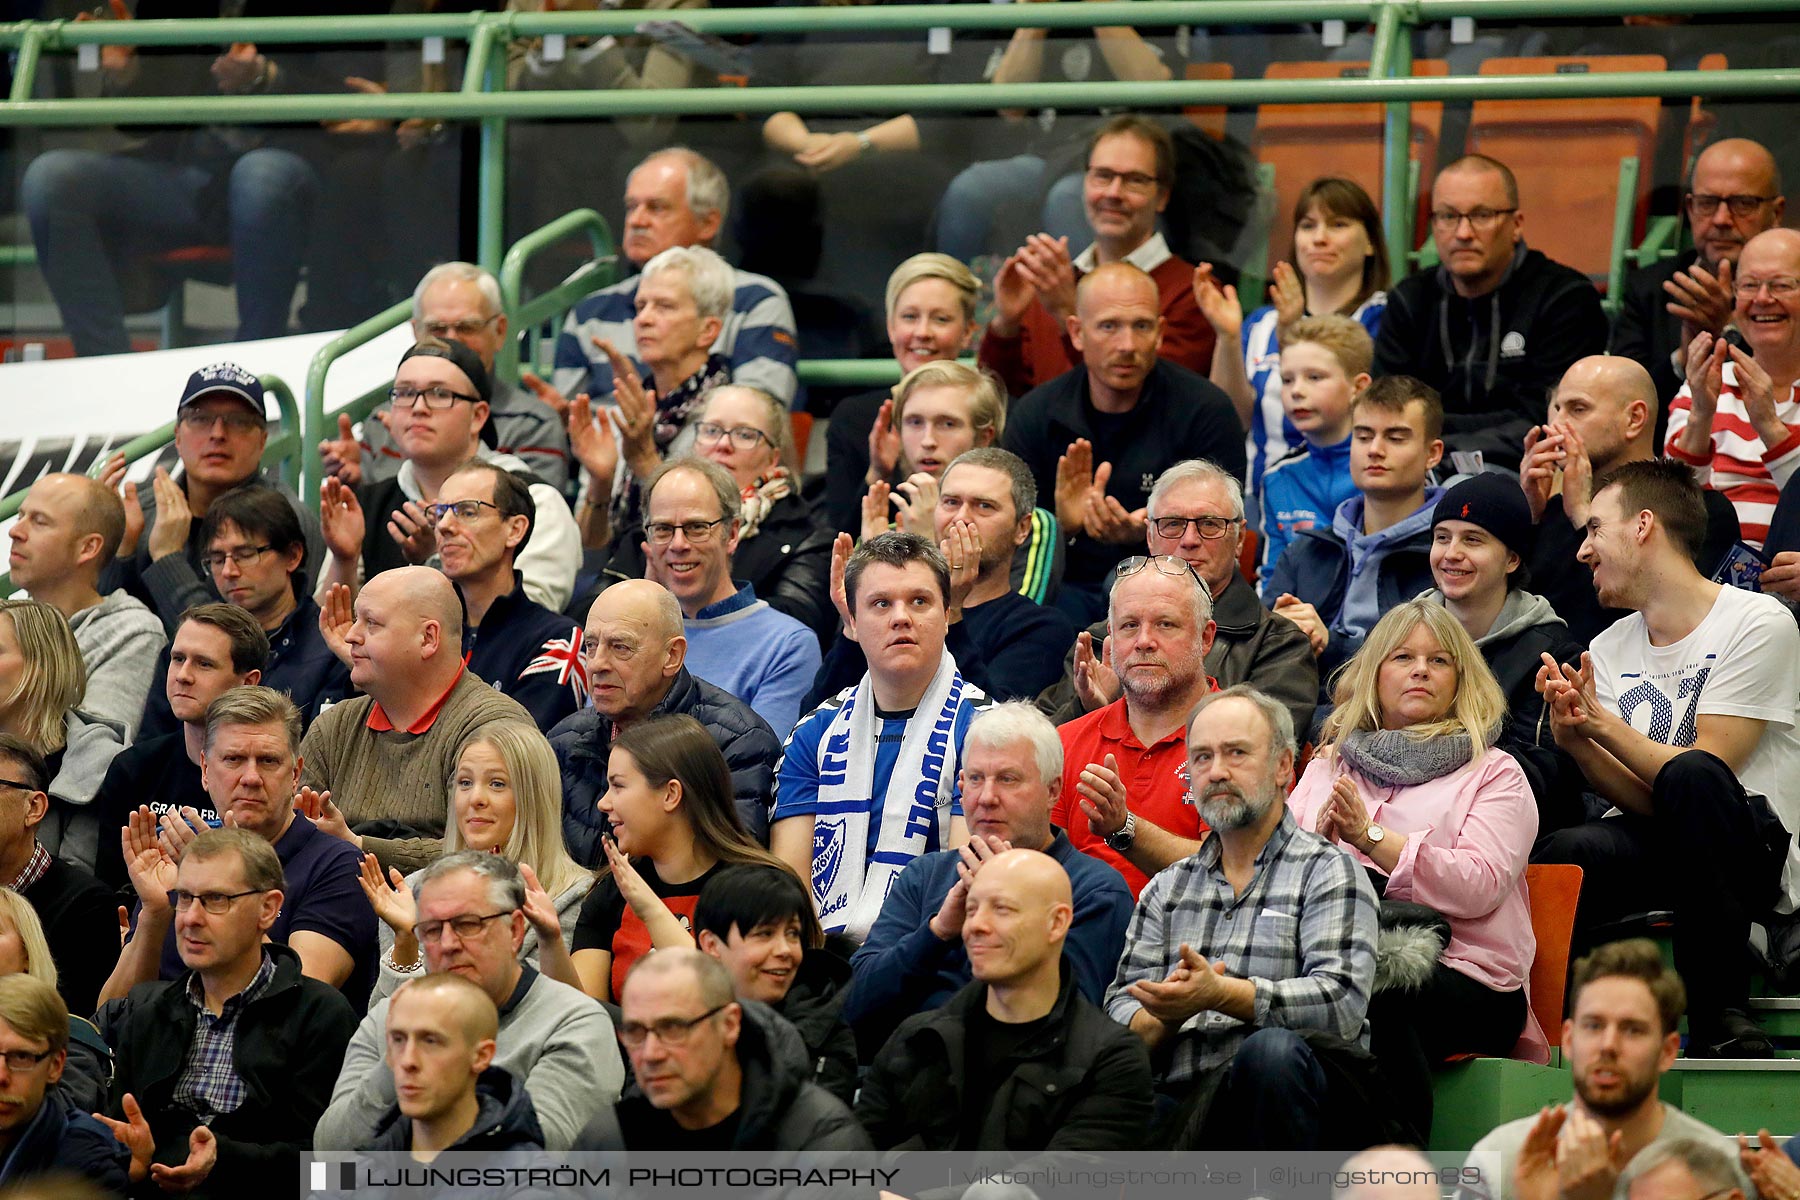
(1302, 491)
(903, 967)
(764, 657)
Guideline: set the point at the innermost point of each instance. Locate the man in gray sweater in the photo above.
(470, 921)
(1619, 1040)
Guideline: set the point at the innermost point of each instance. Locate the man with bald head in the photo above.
(68, 531)
(634, 652)
(966, 1076)
(1602, 415)
(1096, 437)
(1735, 194)
(1736, 421)
(441, 1038)
(379, 765)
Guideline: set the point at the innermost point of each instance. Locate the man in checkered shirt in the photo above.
(1248, 965)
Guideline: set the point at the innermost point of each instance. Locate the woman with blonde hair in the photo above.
(674, 825)
(25, 950)
(506, 799)
(931, 302)
(42, 682)
(1409, 781)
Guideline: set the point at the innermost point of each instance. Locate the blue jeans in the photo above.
(987, 203)
(92, 214)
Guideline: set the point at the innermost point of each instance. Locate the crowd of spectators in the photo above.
(575, 775)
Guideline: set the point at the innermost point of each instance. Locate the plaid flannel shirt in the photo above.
(209, 1084)
(1303, 933)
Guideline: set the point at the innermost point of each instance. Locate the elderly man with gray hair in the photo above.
(556, 1040)
(461, 302)
(913, 958)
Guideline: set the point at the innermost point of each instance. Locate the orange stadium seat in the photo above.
(1701, 120)
(1304, 141)
(1565, 155)
(1208, 118)
(1554, 889)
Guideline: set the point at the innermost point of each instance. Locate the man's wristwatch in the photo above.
(1122, 837)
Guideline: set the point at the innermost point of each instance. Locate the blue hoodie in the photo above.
(1362, 600)
(1298, 493)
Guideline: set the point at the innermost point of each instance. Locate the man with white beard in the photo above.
(1248, 965)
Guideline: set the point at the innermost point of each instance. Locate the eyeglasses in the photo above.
(25, 1060)
(1702, 204)
(213, 902)
(1166, 564)
(1211, 528)
(201, 421)
(458, 329)
(437, 396)
(696, 532)
(670, 1031)
(1134, 181)
(744, 437)
(14, 783)
(464, 927)
(465, 510)
(243, 556)
(1482, 220)
(1782, 286)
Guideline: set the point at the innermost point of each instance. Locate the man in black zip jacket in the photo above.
(221, 1074)
(1496, 324)
(1019, 1059)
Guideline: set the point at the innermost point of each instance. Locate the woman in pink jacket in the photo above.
(1409, 782)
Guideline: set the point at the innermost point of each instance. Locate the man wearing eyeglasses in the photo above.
(1496, 324)
(711, 1071)
(250, 765)
(1196, 513)
(764, 657)
(460, 302)
(1734, 195)
(441, 400)
(1124, 790)
(221, 1074)
(220, 434)
(1736, 420)
(554, 1039)
(1130, 174)
(41, 1129)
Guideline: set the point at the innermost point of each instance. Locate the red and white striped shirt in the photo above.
(1749, 473)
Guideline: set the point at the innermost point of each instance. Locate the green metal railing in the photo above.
(527, 316)
(313, 419)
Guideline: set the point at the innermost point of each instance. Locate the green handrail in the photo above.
(589, 278)
(313, 422)
(1624, 208)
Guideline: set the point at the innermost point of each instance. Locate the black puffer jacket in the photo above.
(583, 743)
(779, 1107)
(505, 1121)
(1083, 1084)
(788, 562)
(815, 1008)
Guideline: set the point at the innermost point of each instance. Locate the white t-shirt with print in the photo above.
(1742, 660)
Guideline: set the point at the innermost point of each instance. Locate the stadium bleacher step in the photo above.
(1738, 1095)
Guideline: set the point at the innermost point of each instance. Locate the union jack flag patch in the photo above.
(562, 657)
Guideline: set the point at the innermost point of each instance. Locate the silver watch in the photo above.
(1121, 838)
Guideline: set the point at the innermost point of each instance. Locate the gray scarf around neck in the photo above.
(1396, 758)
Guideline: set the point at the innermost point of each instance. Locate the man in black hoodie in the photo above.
(441, 1035)
(1496, 324)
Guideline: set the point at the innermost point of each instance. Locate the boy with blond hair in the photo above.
(1325, 365)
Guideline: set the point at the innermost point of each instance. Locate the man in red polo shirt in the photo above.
(1129, 803)
(377, 768)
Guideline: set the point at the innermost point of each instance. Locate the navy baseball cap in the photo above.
(223, 379)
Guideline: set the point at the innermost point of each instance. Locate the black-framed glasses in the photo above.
(670, 1031)
(465, 510)
(1211, 528)
(1133, 181)
(213, 902)
(464, 927)
(458, 329)
(437, 396)
(14, 783)
(744, 437)
(1447, 220)
(25, 1060)
(243, 556)
(696, 532)
(199, 420)
(1165, 564)
(1704, 204)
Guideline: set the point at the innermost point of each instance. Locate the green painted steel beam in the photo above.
(312, 414)
(1171, 94)
(213, 32)
(1391, 58)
